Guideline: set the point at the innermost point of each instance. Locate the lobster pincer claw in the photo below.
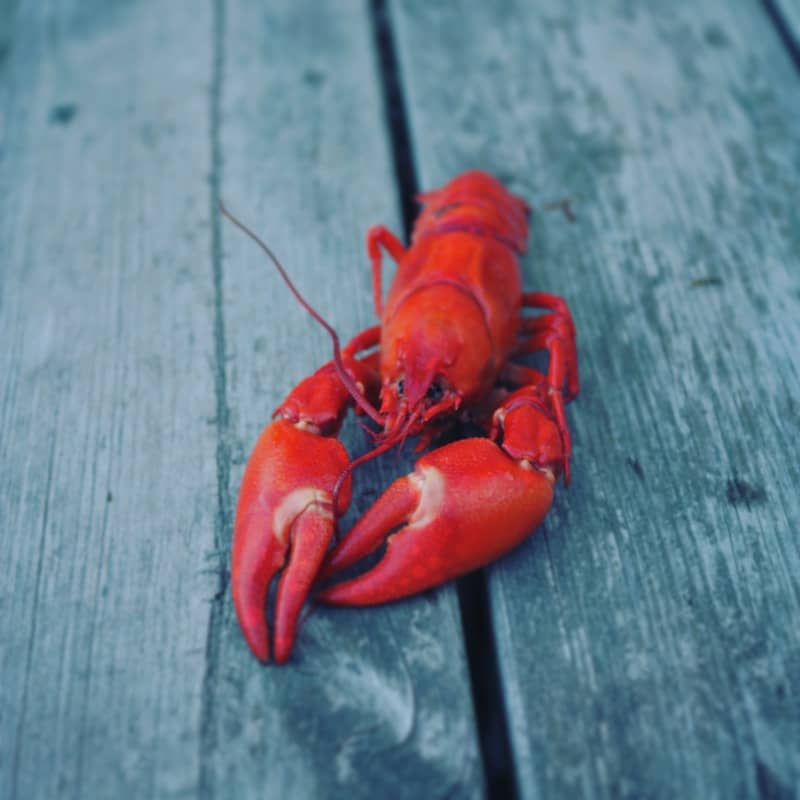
(284, 511)
(463, 506)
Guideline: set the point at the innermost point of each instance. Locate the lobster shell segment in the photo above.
(476, 199)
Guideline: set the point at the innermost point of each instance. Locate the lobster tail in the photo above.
(475, 200)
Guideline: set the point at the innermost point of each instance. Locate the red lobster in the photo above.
(451, 325)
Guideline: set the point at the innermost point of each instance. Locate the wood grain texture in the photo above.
(374, 702)
(789, 11)
(107, 480)
(649, 634)
(126, 412)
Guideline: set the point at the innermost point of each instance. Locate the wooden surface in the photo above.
(108, 490)
(648, 636)
(788, 12)
(145, 347)
(368, 697)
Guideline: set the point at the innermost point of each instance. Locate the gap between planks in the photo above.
(473, 595)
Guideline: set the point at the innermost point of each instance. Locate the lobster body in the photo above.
(455, 300)
(450, 328)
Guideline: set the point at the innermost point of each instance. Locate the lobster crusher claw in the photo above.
(464, 506)
(284, 519)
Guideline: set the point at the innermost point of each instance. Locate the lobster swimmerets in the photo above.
(450, 328)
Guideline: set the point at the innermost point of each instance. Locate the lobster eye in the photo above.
(401, 387)
(434, 393)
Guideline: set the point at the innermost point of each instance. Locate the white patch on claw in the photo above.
(307, 425)
(525, 464)
(294, 504)
(431, 486)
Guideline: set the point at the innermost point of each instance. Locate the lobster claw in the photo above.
(285, 509)
(462, 507)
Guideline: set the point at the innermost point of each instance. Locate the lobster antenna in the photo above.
(345, 378)
(385, 445)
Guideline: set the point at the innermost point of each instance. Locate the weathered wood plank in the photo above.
(650, 633)
(108, 479)
(789, 12)
(373, 702)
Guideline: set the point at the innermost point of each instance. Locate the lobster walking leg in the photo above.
(549, 329)
(555, 333)
(377, 237)
(285, 507)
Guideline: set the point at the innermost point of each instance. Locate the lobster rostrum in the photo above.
(450, 330)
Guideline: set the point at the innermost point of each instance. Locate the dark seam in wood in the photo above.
(34, 613)
(115, 429)
(101, 563)
(784, 31)
(485, 681)
(479, 644)
(208, 715)
(396, 116)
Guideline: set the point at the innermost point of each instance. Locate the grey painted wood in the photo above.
(374, 702)
(107, 479)
(131, 393)
(649, 633)
(789, 11)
